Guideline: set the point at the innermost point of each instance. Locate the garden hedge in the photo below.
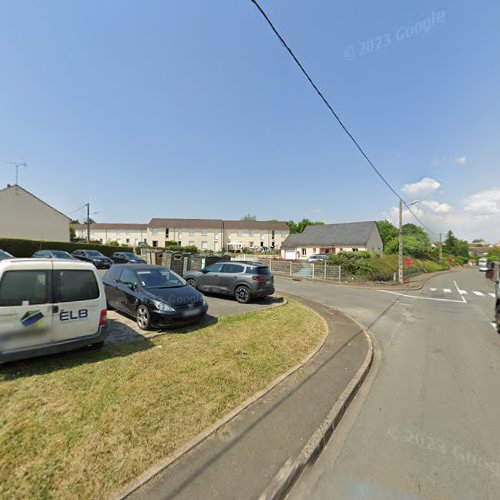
(26, 248)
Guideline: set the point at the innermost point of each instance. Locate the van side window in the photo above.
(31, 287)
(74, 286)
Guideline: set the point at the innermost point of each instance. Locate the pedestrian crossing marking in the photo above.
(492, 294)
(480, 294)
(433, 289)
(462, 292)
(446, 290)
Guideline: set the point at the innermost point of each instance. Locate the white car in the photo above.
(483, 264)
(49, 306)
(318, 257)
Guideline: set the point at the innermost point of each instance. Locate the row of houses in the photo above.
(23, 215)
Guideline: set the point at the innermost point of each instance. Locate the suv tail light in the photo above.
(102, 317)
(258, 278)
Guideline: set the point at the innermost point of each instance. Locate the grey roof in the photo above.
(256, 224)
(117, 226)
(337, 235)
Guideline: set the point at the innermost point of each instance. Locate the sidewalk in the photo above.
(242, 457)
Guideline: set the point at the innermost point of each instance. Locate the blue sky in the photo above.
(193, 109)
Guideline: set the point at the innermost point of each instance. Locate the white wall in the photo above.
(26, 217)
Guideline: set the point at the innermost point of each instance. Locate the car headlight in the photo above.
(161, 306)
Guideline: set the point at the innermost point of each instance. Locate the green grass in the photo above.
(86, 423)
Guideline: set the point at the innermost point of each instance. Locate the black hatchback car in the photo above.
(127, 258)
(95, 257)
(154, 295)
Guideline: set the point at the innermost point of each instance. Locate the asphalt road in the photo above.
(426, 422)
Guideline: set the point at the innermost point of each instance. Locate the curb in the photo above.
(279, 487)
(156, 469)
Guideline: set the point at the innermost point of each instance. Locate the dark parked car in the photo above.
(154, 295)
(127, 258)
(52, 254)
(5, 255)
(243, 280)
(97, 258)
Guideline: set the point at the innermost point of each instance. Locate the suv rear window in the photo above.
(262, 270)
(232, 268)
(29, 287)
(75, 285)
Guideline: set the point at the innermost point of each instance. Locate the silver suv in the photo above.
(243, 280)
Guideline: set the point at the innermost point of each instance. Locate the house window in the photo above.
(204, 232)
(216, 234)
(304, 251)
(341, 249)
(204, 245)
(155, 243)
(251, 244)
(272, 234)
(166, 232)
(180, 243)
(191, 232)
(191, 243)
(355, 249)
(314, 250)
(128, 241)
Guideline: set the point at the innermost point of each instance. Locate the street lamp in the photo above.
(401, 236)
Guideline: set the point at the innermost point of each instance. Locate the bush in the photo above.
(26, 248)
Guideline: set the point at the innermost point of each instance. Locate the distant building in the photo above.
(333, 238)
(24, 216)
(206, 234)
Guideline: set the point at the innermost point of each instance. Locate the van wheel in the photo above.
(143, 317)
(192, 282)
(242, 294)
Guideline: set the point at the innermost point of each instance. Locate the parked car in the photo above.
(95, 257)
(318, 257)
(49, 306)
(243, 280)
(53, 254)
(154, 295)
(127, 258)
(5, 255)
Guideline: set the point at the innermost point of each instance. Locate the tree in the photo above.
(74, 221)
(387, 231)
(412, 247)
(451, 243)
(249, 217)
(301, 225)
(89, 221)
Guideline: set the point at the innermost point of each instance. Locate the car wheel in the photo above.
(143, 317)
(242, 294)
(192, 282)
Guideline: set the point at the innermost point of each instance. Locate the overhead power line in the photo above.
(333, 112)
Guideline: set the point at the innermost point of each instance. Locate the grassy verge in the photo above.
(84, 424)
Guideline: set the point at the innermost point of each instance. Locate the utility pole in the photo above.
(400, 240)
(440, 246)
(88, 221)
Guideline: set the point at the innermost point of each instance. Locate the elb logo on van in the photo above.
(30, 318)
(74, 315)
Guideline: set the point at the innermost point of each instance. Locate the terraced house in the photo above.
(206, 234)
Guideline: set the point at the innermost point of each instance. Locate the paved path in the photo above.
(426, 424)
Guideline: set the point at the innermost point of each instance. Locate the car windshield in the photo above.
(60, 254)
(159, 278)
(94, 253)
(130, 255)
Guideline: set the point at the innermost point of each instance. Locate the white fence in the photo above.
(317, 270)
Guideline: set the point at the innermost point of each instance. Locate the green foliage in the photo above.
(26, 248)
(249, 217)
(301, 225)
(113, 244)
(387, 231)
(413, 246)
(494, 254)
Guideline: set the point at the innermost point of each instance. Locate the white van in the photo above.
(483, 264)
(49, 306)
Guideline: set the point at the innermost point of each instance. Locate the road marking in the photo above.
(433, 289)
(494, 325)
(461, 292)
(446, 290)
(424, 298)
(492, 294)
(480, 294)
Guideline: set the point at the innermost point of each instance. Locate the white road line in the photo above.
(423, 298)
(494, 325)
(492, 294)
(461, 292)
(446, 290)
(433, 289)
(480, 294)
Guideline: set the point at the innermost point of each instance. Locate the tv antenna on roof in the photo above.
(17, 165)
